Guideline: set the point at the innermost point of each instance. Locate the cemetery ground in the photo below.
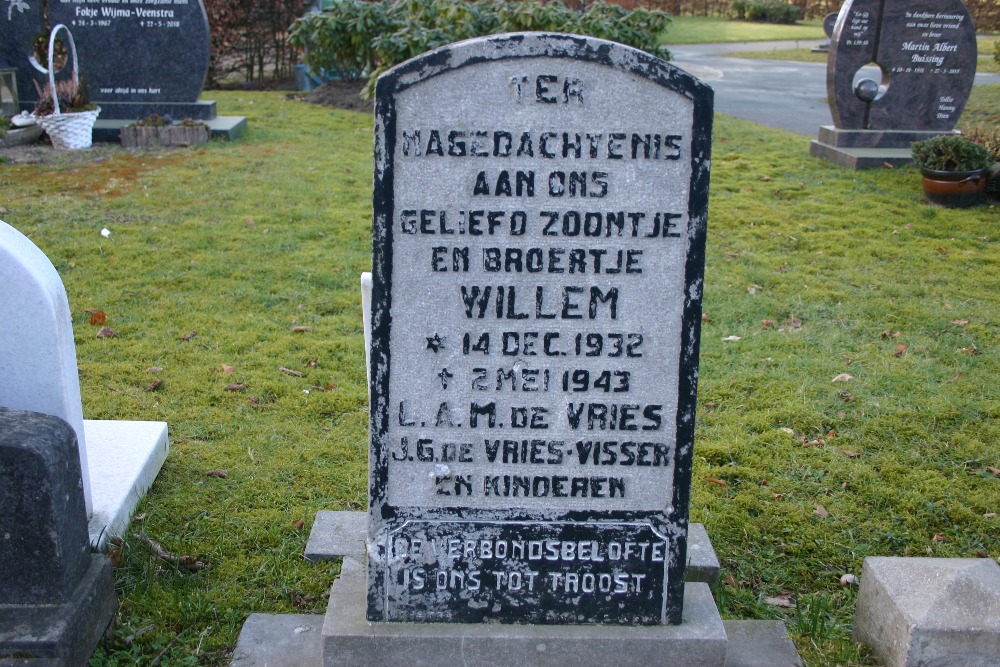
(848, 402)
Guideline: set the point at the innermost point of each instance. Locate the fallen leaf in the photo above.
(849, 454)
(312, 363)
(943, 251)
(153, 386)
(821, 512)
(301, 329)
(185, 562)
(107, 332)
(887, 165)
(938, 537)
(765, 179)
(731, 339)
(785, 429)
(189, 336)
(990, 515)
(97, 317)
(960, 323)
(753, 289)
(154, 369)
(767, 324)
(117, 552)
(794, 322)
(785, 600)
(970, 351)
(730, 581)
(248, 222)
(139, 517)
(845, 396)
(843, 377)
(298, 523)
(289, 371)
(901, 349)
(715, 480)
(227, 369)
(706, 319)
(220, 472)
(995, 471)
(982, 553)
(887, 334)
(848, 580)
(733, 255)
(235, 387)
(778, 496)
(815, 443)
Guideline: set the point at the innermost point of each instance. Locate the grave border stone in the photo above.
(385, 517)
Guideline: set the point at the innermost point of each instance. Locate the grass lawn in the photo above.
(219, 256)
(987, 63)
(708, 29)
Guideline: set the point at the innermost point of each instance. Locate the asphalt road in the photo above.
(778, 93)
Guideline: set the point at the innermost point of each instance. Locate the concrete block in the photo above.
(760, 644)
(702, 563)
(337, 534)
(280, 640)
(930, 612)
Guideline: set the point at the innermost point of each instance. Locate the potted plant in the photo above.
(156, 130)
(63, 110)
(954, 169)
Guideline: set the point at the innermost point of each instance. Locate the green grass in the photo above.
(706, 29)
(240, 242)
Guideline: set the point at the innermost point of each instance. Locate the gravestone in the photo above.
(56, 597)
(899, 71)
(38, 371)
(829, 23)
(538, 262)
(137, 56)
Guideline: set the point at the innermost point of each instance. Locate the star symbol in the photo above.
(445, 376)
(435, 342)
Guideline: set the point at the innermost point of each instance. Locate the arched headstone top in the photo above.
(925, 52)
(38, 370)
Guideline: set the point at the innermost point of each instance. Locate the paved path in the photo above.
(778, 93)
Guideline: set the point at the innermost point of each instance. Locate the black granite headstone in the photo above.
(137, 56)
(540, 215)
(56, 597)
(926, 51)
(829, 23)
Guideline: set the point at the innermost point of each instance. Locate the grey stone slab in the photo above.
(926, 55)
(337, 534)
(760, 644)
(280, 640)
(220, 127)
(930, 612)
(702, 563)
(861, 158)
(350, 640)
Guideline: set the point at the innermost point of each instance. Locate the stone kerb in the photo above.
(540, 208)
(38, 369)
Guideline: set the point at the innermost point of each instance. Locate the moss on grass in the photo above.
(851, 272)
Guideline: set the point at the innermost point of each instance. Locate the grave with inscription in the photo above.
(899, 71)
(540, 211)
(138, 57)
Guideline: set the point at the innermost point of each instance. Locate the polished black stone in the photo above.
(145, 54)
(925, 52)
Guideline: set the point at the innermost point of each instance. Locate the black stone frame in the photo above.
(385, 518)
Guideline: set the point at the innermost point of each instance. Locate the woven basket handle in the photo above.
(52, 73)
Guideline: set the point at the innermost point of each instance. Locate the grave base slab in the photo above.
(108, 130)
(867, 149)
(349, 640)
(124, 458)
(62, 635)
(930, 612)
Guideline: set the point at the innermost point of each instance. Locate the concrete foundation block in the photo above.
(930, 612)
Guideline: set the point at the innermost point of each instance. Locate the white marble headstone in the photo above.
(37, 355)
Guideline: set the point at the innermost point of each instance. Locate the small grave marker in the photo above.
(540, 211)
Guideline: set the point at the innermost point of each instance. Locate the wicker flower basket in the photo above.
(70, 131)
(74, 129)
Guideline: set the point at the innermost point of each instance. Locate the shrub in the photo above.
(988, 137)
(249, 37)
(356, 38)
(768, 11)
(950, 152)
